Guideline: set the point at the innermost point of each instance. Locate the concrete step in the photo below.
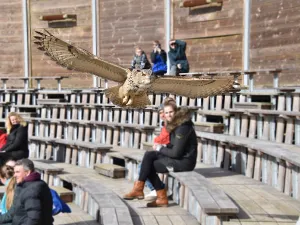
(65, 194)
(110, 170)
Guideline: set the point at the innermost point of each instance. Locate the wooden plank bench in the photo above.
(209, 127)
(81, 153)
(205, 201)
(65, 194)
(275, 164)
(100, 202)
(110, 170)
(47, 170)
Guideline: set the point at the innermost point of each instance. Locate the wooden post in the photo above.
(250, 163)
(288, 179)
(257, 166)
(281, 176)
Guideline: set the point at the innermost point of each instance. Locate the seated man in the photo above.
(32, 204)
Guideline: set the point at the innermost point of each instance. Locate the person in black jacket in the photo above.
(177, 57)
(178, 156)
(32, 204)
(16, 146)
(159, 59)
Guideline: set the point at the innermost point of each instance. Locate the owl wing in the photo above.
(75, 58)
(192, 87)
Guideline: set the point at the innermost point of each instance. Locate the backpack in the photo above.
(58, 204)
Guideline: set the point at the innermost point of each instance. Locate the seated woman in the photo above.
(140, 60)
(16, 146)
(159, 59)
(178, 156)
(6, 176)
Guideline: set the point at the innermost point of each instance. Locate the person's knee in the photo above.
(159, 167)
(150, 154)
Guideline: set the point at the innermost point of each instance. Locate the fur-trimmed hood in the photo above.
(182, 115)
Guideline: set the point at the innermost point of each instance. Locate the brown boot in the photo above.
(161, 201)
(136, 192)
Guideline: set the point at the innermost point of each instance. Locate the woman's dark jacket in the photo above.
(178, 56)
(159, 61)
(183, 142)
(32, 204)
(140, 62)
(17, 142)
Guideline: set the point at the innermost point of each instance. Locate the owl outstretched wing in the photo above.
(75, 58)
(192, 87)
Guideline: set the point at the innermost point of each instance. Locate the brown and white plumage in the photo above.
(133, 85)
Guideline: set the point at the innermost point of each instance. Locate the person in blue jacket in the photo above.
(177, 57)
(159, 59)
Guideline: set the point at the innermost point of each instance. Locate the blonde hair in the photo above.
(19, 118)
(10, 192)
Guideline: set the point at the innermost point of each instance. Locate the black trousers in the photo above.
(14, 155)
(154, 162)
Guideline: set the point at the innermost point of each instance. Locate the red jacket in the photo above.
(163, 138)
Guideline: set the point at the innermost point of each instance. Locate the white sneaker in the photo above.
(151, 196)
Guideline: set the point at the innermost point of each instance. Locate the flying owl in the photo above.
(133, 85)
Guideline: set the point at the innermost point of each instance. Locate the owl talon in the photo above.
(129, 102)
(125, 99)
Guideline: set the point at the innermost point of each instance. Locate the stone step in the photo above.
(65, 194)
(209, 127)
(253, 105)
(110, 170)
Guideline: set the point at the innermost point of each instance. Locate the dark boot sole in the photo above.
(139, 198)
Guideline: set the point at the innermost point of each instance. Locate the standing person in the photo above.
(159, 59)
(32, 203)
(140, 60)
(16, 146)
(177, 57)
(180, 155)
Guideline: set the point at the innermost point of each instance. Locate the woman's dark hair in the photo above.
(157, 43)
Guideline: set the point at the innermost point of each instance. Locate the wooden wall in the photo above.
(125, 24)
(80, 35)
(275, 39)
(214, 35)
(11, 38)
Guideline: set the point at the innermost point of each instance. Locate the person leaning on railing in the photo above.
(177, 57)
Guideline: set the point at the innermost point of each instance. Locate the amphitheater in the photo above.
(88, 150)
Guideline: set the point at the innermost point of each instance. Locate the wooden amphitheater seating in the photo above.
(275, 164)
(204, 200)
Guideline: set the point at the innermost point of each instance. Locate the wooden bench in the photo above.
(47, 170)
(209, 127)
(205, 201)
(79, 153)
(198, 194)
(110, 170)
(100, 202)
(65, 194)
(272, 163)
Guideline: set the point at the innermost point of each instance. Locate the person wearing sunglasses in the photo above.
(177, 57)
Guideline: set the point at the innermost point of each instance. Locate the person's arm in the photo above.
(181, 44)
(163, 55)
(143, 61)
(177, 148)
(152, 56)
(163, 138)
(21, 137)
(133, 62)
